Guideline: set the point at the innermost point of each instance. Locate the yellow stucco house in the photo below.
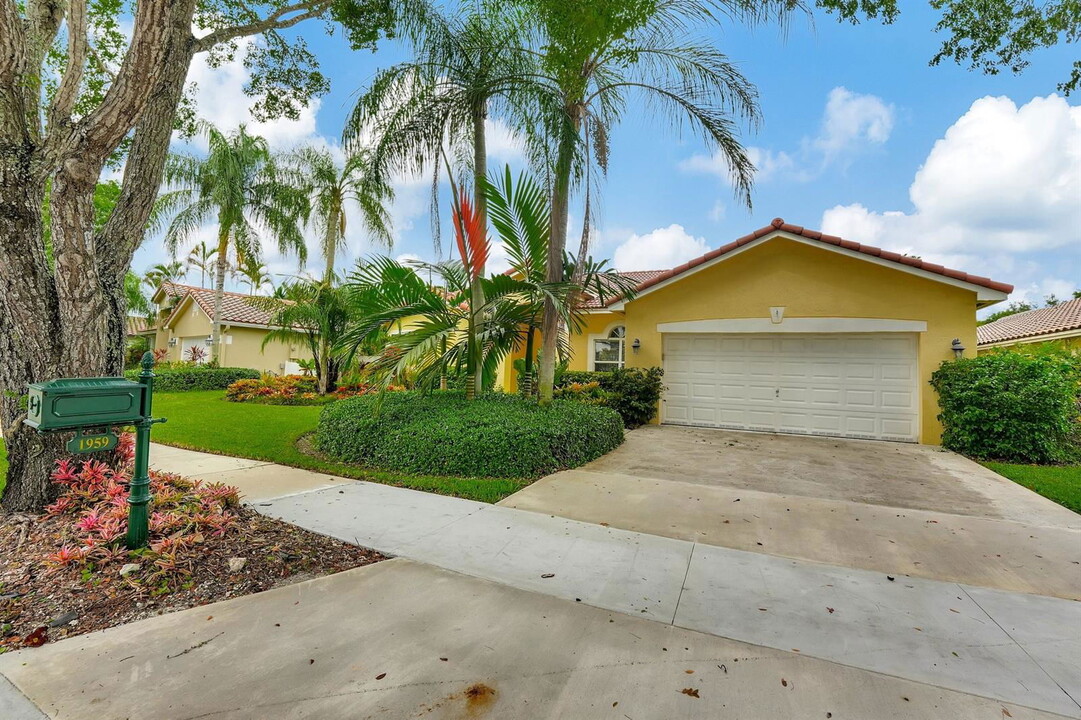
(790, 330)
(183, 320)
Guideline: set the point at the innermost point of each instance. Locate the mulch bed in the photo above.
(40, 603)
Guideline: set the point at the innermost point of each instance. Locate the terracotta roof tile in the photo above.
(236, 307)
(1033, 323)
(779, 224)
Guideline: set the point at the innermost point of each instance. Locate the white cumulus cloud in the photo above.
(1003, 178)
(852, 120)
(658, 250)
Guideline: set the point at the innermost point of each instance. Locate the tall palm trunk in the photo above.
(527, 375)
(557, 242)
(219, 294)
(480, 172)
(335, 232)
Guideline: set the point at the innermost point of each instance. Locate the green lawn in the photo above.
(205, 421)
(1061, 483)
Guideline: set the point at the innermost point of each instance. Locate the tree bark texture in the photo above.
(68, 319)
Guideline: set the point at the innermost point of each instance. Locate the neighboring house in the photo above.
(183, 320)
(1060, 324)
(790, 330)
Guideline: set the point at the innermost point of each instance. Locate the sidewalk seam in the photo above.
(1023, 648)
(683, 585)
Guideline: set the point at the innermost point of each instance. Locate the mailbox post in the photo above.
(80, 404)
(139, 489)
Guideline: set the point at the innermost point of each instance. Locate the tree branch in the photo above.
(280, 19)
(78, 48)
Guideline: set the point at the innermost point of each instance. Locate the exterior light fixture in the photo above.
(958, 348)
(636, 345)
(209, 340)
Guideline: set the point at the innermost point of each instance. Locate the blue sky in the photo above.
(860, 138)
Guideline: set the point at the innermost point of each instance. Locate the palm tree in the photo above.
(521, 215)
(254, 272)
(202, 257)
(133, 293)
(163, 273)
(318, 314)
(332, 187)
(466, 66)
(240, 186)
(598, 55)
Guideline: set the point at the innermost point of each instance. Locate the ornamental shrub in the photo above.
(441, 433)
(292, 390)
(1012, 406)
(632, 392)
(195, 377)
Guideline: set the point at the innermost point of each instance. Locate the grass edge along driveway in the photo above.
(1060, 483)
(206, 421)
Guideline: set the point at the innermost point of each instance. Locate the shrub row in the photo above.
(496, 435)
(1012, 406)
(292, 390)
(195, 377)
(631, 392)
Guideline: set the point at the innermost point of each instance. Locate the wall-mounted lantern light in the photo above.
(636, 345)
(209, 340)
(958, 348)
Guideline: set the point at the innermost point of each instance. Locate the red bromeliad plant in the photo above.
(95, 506)
(474, 247)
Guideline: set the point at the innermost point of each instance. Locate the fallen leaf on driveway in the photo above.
(830, 610)
(37, 638)
(692, 692)
(380, 676)
(548, 575)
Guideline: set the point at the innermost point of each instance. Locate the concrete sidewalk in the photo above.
(404, 640)
(1012, 647)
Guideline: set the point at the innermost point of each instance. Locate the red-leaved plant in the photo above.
(95, 502)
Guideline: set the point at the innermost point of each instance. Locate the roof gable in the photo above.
(1063, 317)
(236, 309)
(988, 291)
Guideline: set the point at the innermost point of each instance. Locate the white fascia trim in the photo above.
(794, 325)
(1048, 337)
(983, 294)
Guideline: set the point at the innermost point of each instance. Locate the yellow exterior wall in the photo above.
(809, 282)
(242, 346)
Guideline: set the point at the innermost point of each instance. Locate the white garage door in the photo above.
(860, 385)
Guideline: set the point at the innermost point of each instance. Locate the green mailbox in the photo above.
(81, 404)
(72, 403)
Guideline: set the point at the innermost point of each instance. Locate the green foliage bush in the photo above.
(496, 435)
(195, 377)
(1012, 406)
(631, 392)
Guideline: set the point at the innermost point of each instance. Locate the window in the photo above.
(608, 353)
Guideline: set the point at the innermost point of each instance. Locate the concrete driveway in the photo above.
(893, 507)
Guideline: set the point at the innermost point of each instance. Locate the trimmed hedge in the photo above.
(196, 378)
(1011, 406)
(496, 435)
(631, 392)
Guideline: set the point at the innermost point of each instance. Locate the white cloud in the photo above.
(1003, 181)
(852, 120)
(503, 145)
(220, 100)
(658, 250)
(718, 211)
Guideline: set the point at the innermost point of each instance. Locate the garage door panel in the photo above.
(827, 384)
